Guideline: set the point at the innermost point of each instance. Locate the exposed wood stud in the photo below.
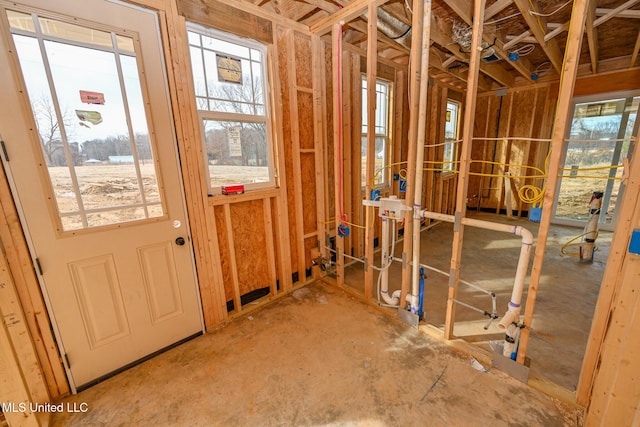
(465, 160)
(592, 36)
(634, 55)
(320, 137)
(232, 259)
(336, 38)
(271, 248)
(295, 150)
(370, 212)
(414, 105)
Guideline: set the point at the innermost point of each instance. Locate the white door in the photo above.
(91, 154)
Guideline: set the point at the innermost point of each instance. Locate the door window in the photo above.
(89, 108)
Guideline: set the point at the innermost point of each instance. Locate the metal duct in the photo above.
(393, 28)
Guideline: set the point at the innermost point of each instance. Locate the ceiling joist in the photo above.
(537, 26)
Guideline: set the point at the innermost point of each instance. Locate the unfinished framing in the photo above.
(269, 242)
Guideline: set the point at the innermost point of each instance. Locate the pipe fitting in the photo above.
(511, 316)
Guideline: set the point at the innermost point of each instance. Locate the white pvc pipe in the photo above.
(513, 312)
(387, 259)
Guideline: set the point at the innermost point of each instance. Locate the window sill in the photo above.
(222, 199)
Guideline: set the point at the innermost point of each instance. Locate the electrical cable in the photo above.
(531, 12)
(495, 21)
(563, 249)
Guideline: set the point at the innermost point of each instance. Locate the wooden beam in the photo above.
(247, 6)
(237, 303)
(559, 29)
(612, 14)
(537, 25)
(370, 211)
(514, 40)
(419, 143)
(592, 36)
(633, 14)
(13, 387)
(271, 247)
(496, 8)
(351, 10)
(465, 162)
(414, 105)
(563, 107)
(19, 339)
(634, 55)
(435, 61)
(319, 137)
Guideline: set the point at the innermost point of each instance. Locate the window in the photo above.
(381, 174)
(229, 75)
(451, 136)
(91, 119)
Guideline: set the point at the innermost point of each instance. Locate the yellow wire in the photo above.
(570, 243)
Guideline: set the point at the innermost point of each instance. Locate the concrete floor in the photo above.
(317, 357)
(566, 299)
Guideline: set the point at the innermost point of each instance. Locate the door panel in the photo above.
(93, 166)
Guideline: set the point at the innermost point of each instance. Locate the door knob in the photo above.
(180, 241)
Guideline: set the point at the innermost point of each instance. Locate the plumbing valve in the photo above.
(322, 262)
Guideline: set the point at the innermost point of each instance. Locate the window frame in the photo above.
(386, 173)
(449, 166)
(226, 116)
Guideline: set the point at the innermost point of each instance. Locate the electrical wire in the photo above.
(524, 50)
(531, 12)
(406, 3)
(570, 243)
(495, 21)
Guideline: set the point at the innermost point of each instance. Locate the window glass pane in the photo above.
(381, 171)
(142, 142)
(20, 21)
(237, 152)
(125, 44)
(194, 38)
(75, 33)
(451, 129)
(199, 81)
(92, 124)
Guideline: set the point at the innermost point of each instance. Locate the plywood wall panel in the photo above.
(308, 168)
(250, 245)
(305, 116)
(303, 61)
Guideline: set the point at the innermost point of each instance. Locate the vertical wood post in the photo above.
(370, 211)
(465, 161)
(414, 84)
